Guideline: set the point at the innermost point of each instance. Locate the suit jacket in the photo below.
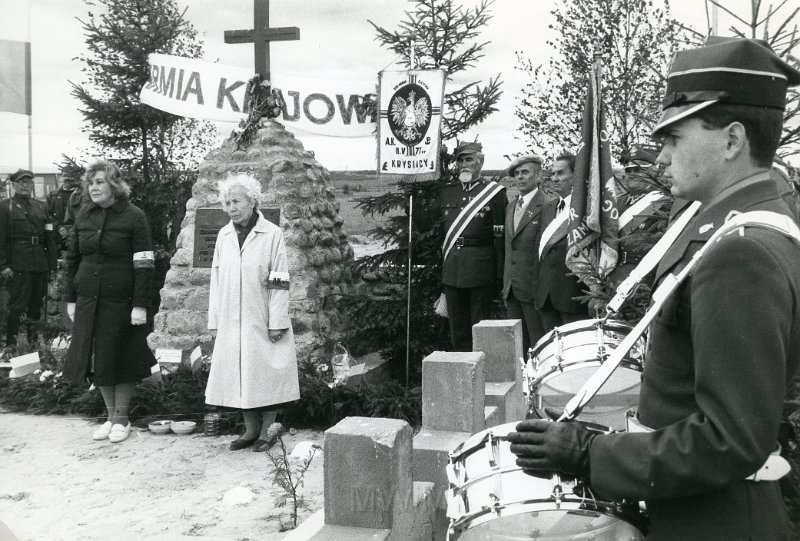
(554, 280)
(474, 266)
(721, 352)
(522, 248)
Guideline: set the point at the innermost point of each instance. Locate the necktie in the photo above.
(560, 206)
(518, 212)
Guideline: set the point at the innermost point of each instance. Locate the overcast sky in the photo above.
(336, 43)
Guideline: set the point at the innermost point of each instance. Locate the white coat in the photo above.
(249, 295)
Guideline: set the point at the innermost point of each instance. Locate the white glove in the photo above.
(138, 316)
(71, 311)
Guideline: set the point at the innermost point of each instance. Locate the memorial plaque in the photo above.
(208, 222)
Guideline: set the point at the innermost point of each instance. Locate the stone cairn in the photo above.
(318, 251)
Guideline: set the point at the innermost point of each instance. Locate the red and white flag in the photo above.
(594, 213)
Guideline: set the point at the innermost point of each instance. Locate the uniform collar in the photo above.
(471, 186)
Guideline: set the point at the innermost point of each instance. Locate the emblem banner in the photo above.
(409, 125)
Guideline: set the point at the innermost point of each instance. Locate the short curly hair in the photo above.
(119, 187)
(245, 181)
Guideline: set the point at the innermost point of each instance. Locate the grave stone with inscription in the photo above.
(298, 196)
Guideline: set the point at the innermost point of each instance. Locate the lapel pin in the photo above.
(706, 227)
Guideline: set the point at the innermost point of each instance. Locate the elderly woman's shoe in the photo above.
(261, 446)
(102, 432)
(241, 443)
(119, 433)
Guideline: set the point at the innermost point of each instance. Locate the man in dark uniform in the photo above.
(556, 286)
(523, 230)
(59, 202)
(725, 343)
(473, 212)
(27, 253)
(644, 213)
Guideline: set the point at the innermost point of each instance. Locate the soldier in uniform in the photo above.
(27, 253)
(473, 212)
(644, 212)
(59, 203)
(723, 347)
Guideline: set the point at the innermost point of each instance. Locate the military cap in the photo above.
(529, 158)
(643, 156)
(20, 174)
(736, 71)
(467, 148)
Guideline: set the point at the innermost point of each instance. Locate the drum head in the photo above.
(553, 525)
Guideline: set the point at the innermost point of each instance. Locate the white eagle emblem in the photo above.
(408, 116)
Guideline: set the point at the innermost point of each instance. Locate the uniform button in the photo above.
(97, 274)
(99, 230)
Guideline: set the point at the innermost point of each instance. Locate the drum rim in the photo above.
(607, 324)
(487, 514)
(570, 366)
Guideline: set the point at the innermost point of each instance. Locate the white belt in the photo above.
(773, 469)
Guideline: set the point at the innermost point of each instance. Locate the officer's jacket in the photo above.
(27, 240)
(479, 261)
(721, 353)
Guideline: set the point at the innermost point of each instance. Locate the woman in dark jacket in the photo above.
(108, 288)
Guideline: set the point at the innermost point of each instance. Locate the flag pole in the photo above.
(28, 92)
(411, 64)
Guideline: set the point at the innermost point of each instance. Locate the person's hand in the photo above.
(63, 232)
(138, 316)
(71, 311)
(7, 274)
(276, 334)
(550, 446)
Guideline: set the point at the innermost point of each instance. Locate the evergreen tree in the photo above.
(157, 150)
(446, 37)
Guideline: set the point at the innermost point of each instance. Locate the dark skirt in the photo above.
(120, 350)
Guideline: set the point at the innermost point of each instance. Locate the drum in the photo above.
(567, 356)
(492, 499)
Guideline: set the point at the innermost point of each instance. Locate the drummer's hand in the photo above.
(547, 446)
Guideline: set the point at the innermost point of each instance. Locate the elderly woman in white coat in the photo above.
(254, 365)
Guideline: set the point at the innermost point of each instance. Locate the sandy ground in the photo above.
(56, 483)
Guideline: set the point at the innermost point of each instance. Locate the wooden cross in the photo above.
(261, 35)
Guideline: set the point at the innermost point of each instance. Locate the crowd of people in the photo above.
(721, 350)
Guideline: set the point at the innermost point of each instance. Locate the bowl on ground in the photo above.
(159, 427)
(183, 427)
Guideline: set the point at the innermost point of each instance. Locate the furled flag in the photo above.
(15, 76)
(592, 246)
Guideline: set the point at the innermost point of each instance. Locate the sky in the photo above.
(337, 42)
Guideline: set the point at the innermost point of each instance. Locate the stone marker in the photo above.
(368, 474)
(453, 391)
(299, 188)
(501, 341)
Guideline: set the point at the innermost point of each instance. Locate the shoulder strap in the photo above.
(467, 213)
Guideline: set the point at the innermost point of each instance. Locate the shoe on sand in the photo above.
(119, 433)
(102, 432)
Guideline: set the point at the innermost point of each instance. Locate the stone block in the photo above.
(424, 514)
(491, 416)
(368, 473)
(508, 399)
(501, 341)
(453, 391)
(431, 455)
(331, 532)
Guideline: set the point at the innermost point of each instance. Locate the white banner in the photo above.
(204, 90)
(410, 123)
